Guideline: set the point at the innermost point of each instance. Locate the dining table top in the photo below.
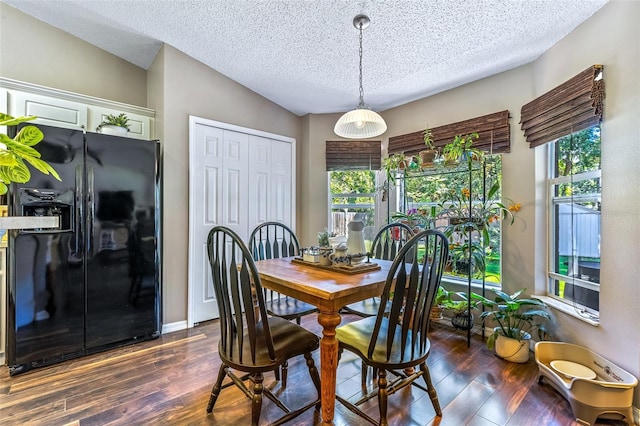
(328, 288)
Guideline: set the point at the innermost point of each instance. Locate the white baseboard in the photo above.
(174, 326)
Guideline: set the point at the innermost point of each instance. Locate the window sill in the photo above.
(566, 309)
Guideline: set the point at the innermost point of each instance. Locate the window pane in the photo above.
(574, 188)
(352, 198)
(578, 152)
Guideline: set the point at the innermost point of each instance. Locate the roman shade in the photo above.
(492, 129)
(353, 155)
(575, 105)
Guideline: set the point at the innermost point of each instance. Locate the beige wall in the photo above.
(190, 88)
(38, 53)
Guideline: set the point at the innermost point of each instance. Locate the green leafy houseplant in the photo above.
(428, 156)
(461, 146)
(120, 120)
(462, 304)
(515, 317)
(395, 162)
(15, 151)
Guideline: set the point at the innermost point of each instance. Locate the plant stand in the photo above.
(464, 168)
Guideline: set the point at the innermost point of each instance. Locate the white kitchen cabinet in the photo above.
(50, 111)
(70, 110)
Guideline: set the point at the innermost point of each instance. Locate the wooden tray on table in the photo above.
(358, 268)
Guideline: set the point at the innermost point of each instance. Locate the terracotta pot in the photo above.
(427, 156)
(436, 312)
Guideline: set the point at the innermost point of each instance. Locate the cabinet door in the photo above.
(50, 111)
(140, 126)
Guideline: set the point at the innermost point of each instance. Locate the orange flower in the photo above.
(493, 218)
(515, 207)
(466, 192)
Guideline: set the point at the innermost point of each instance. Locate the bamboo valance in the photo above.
(353, 155)
(575, 105)
(492, 129)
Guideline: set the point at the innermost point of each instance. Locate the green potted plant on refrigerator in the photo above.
(114, 125)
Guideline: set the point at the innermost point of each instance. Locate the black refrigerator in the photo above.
(93, 282)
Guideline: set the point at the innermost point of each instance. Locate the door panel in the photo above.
(46, 274)
(121, 239)
(206, 211)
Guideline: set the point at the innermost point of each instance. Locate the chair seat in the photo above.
(289, 308)
(356, 337)
(289, 340)
(367, 308)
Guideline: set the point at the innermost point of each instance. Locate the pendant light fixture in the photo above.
(360, 123)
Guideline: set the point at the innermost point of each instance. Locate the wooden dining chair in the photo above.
(271, 240)
(252, 342)
(386, 244)
(397, 341)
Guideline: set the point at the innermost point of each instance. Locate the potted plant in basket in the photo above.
(427, 156)
(515, 318)
(461, 308)
(114, 125)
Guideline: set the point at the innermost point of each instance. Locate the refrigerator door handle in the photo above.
(78, 215)
(91, 215)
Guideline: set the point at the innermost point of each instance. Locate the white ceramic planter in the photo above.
(513, 350)
(108, 129)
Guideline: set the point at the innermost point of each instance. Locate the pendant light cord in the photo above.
(361, 104)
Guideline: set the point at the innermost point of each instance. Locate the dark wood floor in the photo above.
(167, 382)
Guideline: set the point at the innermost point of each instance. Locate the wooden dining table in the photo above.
(329, 289)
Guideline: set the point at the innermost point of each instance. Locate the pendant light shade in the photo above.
(360, 123)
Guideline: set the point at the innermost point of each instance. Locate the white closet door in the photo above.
(219, 185)
(206, 182)
(281, 182)
(270, 181)
(238, 178)
(259, 180)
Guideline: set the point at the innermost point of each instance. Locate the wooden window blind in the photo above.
(353, 155)
(492, 129)
(575, 105)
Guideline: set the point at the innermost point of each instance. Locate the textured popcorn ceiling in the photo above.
(303, 54)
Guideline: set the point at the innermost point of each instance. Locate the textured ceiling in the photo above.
(303, 54)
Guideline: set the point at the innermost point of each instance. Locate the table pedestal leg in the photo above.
(328, 363)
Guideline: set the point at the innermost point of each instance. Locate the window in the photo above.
(352, 197)
(574, 187)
